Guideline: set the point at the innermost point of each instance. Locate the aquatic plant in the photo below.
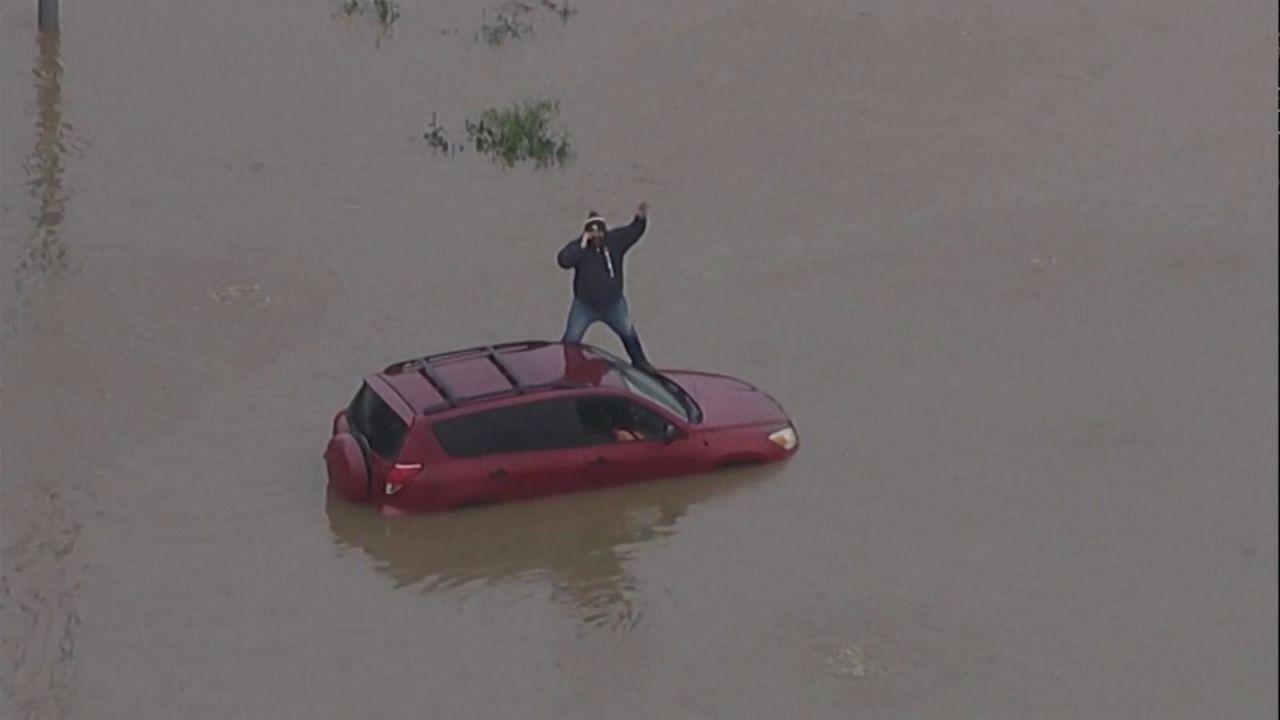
(512, 21)
(508, 23)
(388, 11)
(436, 138)
(521, 132)
(385, 11)
(562, 9)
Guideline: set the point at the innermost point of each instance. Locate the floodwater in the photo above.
(1010, 265)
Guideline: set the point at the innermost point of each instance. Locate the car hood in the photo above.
(729, 402)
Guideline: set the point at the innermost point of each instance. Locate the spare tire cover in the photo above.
(348, 474)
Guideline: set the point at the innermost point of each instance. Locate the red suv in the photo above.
(520, 420)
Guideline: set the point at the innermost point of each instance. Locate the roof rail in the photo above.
(411, 364)
(496, 358)
(437, 382)
(496, 394)
(428, 366)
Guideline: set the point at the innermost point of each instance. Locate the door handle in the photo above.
(499, 474)
(599, 461)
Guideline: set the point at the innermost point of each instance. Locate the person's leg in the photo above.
(581, 316)
(618, 318)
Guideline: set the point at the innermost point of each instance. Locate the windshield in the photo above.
(642, 383)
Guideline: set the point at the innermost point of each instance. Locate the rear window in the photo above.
(544, 425)
(378, 423)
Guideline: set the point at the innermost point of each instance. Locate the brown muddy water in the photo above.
(1010, 265)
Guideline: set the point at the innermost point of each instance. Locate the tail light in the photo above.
(400, 475)
(785, 438)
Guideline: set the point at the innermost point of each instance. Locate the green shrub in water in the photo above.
(519, 133)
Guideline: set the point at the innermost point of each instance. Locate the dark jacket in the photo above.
(597, 276)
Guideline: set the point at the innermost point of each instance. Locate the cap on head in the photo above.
(595, 222)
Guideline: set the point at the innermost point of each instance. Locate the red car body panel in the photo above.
(391, 453)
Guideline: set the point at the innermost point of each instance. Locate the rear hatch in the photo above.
(367, 440)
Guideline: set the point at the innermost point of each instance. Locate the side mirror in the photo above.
(670, 433)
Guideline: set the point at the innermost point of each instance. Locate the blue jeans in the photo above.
(583, 316)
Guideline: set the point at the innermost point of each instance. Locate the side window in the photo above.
(543, 425)
(613, 419)
(461, 436)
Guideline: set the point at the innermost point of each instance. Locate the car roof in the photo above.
(436, 383)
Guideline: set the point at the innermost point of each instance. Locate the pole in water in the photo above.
(48, 14)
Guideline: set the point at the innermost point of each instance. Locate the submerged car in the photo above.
(521, 420)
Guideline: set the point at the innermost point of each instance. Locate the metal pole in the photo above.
(48, 14)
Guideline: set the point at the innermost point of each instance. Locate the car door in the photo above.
(532, 449)
(629, 441)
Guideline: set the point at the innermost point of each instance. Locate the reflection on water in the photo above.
(41, 565)
(577, 546)
(39, 590)
(47, 254)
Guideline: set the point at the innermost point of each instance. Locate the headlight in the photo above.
(784, 438)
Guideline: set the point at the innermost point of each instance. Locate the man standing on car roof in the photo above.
(596, 258)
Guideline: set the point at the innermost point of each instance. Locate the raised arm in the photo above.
(630, 235)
